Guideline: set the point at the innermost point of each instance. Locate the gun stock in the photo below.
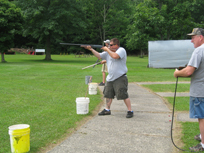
(82, 45)
(182, 67)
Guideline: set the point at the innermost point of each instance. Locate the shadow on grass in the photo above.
(52, 61)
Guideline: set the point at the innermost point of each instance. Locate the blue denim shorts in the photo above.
(196, 107)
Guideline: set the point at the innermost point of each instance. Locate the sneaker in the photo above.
(129, 114)
(104, 112)
(101, 84)
(197, 137)
(197, 148)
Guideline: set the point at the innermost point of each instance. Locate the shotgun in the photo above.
(92, 65)
(83, 45)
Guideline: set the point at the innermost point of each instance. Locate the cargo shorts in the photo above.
(117, 88)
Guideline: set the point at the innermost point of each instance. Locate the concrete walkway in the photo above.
(179, 116)
(147, 132)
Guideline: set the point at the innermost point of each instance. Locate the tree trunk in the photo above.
(47, 49)
(160, 4)
(104, 20)
(47, 46)
(2, 58)
(161, 37)
(141, 53)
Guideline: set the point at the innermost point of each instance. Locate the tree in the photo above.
(180, 21)
(144, 26)
(177, 18)
(10, 22)
(158, 20)
(50, 21)
(196, 10)
(108, 19)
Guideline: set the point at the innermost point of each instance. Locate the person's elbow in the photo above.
(115, 56)
(190, 70)
(189, 73)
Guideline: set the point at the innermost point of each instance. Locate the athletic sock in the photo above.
(202, 144)
(107, 109)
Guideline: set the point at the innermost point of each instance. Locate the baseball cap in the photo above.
(197, 31)
(107, 41)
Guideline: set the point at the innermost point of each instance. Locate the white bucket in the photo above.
(19, 138)
(82, 105)
(93, 88)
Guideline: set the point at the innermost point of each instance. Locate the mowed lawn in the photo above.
(43, 93)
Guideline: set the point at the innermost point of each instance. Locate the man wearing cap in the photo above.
(104, 66)
(195, 70)
(116, 81)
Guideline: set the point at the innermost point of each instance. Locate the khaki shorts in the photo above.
(117, 88)
(104, 68)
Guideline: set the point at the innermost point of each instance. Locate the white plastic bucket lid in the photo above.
(82, 99)
(19, 126)
(94, 84)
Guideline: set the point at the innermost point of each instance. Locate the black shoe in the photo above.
(197, 137)
(101, 84)
(197, 148)
(105, 112)
(129, 114)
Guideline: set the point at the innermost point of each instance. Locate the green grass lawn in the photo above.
(168, 87)
(190, 129)
(182, 103)
(43, 93)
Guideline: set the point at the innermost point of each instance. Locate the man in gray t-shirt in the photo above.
(116, 81)
(195, 70)
(116, 67)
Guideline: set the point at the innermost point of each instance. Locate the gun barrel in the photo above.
(71, 44)
(83, 45)
(91, 65)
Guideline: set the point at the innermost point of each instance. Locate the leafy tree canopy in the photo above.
(49, 20)
(10, 22)
(158, 20)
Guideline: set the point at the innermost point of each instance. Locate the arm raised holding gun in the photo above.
(93, 51)
(105, 48)
(90, 47)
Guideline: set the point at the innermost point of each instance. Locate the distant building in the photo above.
(169, 53)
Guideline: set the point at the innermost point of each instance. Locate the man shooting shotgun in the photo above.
(116, 81)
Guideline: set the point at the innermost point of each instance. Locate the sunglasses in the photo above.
(112, 44)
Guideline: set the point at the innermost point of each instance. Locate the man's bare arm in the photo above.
(93, 51)
(185, 72)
